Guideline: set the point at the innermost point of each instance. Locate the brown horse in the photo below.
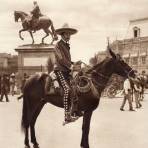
(43, 23)
(34, 93)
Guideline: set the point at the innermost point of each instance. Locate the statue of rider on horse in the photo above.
(34, 22)
(35, 14)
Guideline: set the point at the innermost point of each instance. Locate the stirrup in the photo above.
(72, 119)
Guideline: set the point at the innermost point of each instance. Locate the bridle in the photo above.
(107, 78)
(128, 75)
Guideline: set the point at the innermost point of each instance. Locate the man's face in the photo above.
(66, 36)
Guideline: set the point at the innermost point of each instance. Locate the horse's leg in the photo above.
(26, 138)
(21, 32)
(85, 129)
(32, 124)
(31, 36)
(47, 34)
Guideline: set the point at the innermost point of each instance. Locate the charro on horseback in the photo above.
(61, 74)
(80, 94)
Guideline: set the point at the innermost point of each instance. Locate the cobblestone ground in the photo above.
(110, 128)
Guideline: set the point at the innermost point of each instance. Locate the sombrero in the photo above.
(66, 28)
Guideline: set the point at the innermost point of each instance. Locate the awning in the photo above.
(125, 56)
(142, 54)
(134, 54)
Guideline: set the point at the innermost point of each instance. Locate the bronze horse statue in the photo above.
(33, 97)
(43, 23)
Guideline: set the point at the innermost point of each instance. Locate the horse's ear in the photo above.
(111, 52)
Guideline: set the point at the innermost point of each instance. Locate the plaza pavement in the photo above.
(110, 128)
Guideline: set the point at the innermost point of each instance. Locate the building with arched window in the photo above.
(134, 49)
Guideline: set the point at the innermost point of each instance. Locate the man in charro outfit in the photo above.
(62, 67)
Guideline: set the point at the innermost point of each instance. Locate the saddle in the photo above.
(50, 88)
(33, 22)
(84, 85)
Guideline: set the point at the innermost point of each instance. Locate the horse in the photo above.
(43, 23)
(34, 93)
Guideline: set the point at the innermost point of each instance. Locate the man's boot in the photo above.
(69, 118)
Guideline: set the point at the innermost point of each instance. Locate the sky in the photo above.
(95, 20)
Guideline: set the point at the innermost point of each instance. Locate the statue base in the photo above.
(32, 58)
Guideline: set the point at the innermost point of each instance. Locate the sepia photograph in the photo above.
(73, 74)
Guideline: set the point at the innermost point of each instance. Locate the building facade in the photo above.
(8, 63)
(134, 49)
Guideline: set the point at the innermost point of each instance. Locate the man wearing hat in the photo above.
(63, 65)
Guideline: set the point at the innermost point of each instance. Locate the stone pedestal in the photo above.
(33, 58)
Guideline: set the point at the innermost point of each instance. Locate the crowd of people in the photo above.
(9, 85)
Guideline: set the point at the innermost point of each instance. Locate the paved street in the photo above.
(110, 128)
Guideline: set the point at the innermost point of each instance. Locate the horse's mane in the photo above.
(24, 13)
(99, 65)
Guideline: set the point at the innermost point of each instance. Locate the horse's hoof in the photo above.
(36, 146)
(27, 146)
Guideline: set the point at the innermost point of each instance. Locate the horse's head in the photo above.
(120, 67)
(19, 14)
(16, 16)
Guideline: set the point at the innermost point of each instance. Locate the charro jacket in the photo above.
(63, 57)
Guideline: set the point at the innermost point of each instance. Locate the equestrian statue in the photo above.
(34, 22)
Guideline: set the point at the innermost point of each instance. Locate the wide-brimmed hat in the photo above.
(66, 28)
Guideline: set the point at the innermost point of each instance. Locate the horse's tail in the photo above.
(53, 31)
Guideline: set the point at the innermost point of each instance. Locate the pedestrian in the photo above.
(25, 77)
(143, 80)
(137, 90)
(12, 84)
(4, 88)
(127, 90)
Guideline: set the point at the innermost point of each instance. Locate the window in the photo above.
(136, 32)
(135, 60)
(143, 60)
